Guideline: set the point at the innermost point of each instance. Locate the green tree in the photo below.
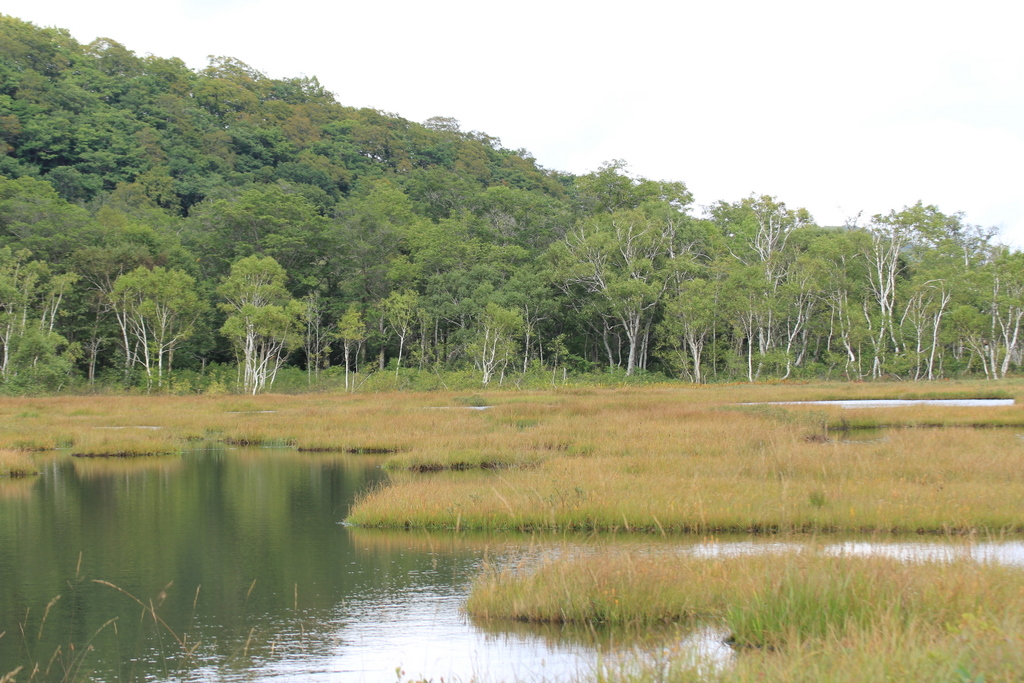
(316, 336)
(611, 188)
(400, 310)
(622, 259)
(157, 309)
(266, 221)
(690, 320)
(352, 332)
(493, 348)
(263, 320)
(30, 301)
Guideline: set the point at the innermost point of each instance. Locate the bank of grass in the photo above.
(16, 464)
(659, 461)
(966, 652)
(794, 615)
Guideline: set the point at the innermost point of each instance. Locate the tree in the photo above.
(892, 235)
(689, 322)
(158, 309)
(400, 313)
(995, 334)
(495, 342)
(316, 335)
(270, 221)
(263, 320)
(622, 259)
(30, 300)
(839, 275)
(610, 189)
(352, 332)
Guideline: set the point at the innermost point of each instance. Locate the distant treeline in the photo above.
(156, 219)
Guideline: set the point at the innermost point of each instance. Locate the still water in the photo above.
(238, 557)
(241, 555)
(898, 403)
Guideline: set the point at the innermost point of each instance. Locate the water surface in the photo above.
(239, 556)
(898, 403)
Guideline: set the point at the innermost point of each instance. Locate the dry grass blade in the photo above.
(151, 609)
(46, 613)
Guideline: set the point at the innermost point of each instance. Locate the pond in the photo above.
(239, 557)
(898, 403)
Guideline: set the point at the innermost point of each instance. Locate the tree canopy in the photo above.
(156, 219)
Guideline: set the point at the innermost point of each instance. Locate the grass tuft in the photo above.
(772, 605)
(16, 464)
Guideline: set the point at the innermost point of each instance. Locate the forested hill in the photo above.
(157, 222)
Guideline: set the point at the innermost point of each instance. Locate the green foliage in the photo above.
(422, 236)
(263, 320)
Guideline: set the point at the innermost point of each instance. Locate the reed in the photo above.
(638, 462)
(658, 459)
(16, 464)
(798, 615)
(765, 599)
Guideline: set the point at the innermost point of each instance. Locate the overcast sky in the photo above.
(860, 107)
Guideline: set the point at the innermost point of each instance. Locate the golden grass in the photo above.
(765, 597)
(661, 459)
(795, 615)
(16, 464)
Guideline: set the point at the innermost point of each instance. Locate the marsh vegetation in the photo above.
(588, 467)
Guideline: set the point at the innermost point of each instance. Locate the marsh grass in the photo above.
(128, 442)
(16, 464)
(661, 462)
(657, 459)
(765, 599)
(787, 614)
(486, 458)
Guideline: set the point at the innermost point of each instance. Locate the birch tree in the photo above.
(622, 260)
(400, 314)
(30, 301)
(689, 322)
(263, 320)
(494, 346)
(890, 236)
(352, 332)
(158, 309)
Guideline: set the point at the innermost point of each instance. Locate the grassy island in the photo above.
(653, 464)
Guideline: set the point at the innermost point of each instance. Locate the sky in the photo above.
(843, 109)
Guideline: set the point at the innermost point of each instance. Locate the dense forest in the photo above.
(176, 230)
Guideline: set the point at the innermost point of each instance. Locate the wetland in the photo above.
(631, 534)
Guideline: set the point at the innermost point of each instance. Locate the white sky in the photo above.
(839, 108)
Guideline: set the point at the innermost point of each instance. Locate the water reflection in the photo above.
(232, 564)
(238, 557)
